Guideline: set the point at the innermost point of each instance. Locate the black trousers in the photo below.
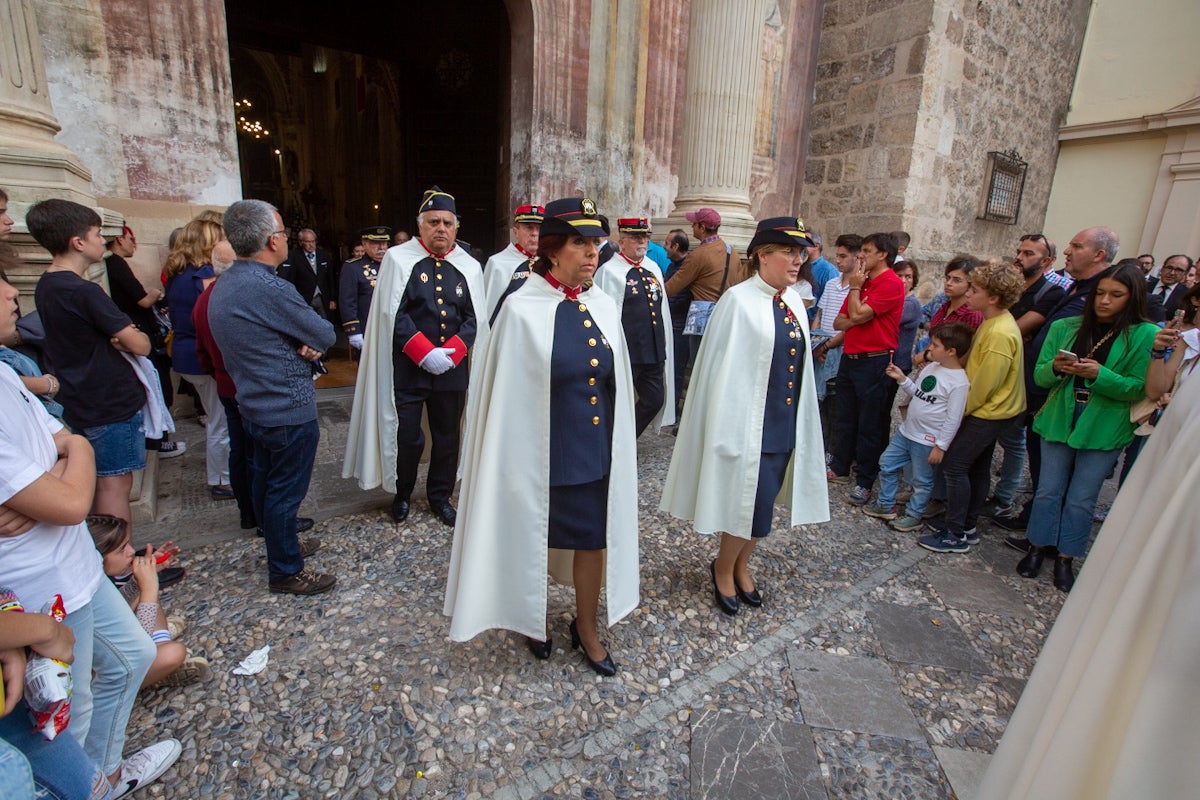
(445, 410)
(862, 414)
(650, 392)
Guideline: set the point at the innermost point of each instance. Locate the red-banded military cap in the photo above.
(633, 225)
(529, 213)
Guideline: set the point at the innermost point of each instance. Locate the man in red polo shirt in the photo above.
(870, 316)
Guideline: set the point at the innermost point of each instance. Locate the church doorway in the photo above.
(348, 111)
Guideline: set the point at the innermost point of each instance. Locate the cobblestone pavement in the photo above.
(874, 668)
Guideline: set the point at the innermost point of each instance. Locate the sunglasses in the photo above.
(1045, 241)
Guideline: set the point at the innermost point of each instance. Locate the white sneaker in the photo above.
(176, 625)
(145, 766)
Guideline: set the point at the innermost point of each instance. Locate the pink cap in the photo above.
(707, 217)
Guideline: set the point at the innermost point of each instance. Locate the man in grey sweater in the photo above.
(268, 336)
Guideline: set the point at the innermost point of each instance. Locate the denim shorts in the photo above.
(120, 446)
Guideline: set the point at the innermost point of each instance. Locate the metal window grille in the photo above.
(1004, 187)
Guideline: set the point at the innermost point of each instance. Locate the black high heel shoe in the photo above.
(539, 648)
(751, 598)
(1064, 574)
(727, 604)
(1031, 564)
(604, 666)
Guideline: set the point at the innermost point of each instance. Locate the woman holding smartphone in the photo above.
(1095, 366)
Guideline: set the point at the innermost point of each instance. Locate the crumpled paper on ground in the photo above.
(254, 663)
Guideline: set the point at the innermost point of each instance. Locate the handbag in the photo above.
(700, 310)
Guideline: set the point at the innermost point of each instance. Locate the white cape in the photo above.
(497, 275)
(610, 278)
(1112, 709)
(499, 559)
(371, 441)
(713, 478)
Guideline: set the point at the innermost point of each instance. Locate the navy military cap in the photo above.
(435, 199)
(376, 233)
(574, 216)
(787, 231)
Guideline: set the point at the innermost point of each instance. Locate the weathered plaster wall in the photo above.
(142, 91)
(910, 97)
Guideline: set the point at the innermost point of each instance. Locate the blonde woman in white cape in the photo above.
(549, 478)
(750, 433)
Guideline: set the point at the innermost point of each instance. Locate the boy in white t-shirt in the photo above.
(935, 403)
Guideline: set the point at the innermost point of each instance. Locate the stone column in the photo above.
(718, 115)
(33, 165)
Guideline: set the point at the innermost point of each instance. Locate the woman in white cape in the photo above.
(750, 432)
(549, 477)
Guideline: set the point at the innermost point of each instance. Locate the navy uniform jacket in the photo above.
(436, 303)
(516, 281)
(356, 287)
(783, 385)
(583, 380)
(640, 315)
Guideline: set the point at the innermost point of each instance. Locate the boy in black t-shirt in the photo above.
(86, 335)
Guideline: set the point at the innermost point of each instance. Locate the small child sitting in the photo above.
(929, 425)
(137, 578)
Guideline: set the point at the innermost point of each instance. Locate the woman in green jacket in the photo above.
(1095, 365)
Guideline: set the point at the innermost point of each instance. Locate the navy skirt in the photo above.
(771, 471)
(579, 516)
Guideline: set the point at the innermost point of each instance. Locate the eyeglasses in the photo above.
(1173, 269)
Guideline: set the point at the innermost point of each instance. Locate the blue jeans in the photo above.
(109, 641)
(60, 768)
(1066, 496)
(281, 467)
(902, 452)
(1013, 442)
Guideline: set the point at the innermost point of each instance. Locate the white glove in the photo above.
(356, 341)
(438, 360)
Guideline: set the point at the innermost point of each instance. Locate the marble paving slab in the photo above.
(975, 590)
(851, 693)
(922, 635)
(964, 768)
(734, 757)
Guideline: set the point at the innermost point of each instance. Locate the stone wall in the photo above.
(143, 93)
(911, 95)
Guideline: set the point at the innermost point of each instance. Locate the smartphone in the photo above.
(1177, 320)
(1068, 355)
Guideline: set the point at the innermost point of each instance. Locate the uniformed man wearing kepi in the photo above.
(356, 286)
(428, 311)
(635, 283)
(508, 270)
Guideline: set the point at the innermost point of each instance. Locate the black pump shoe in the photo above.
(1031, 564)
(539, 648)
(1064, 574)
(751, 598)
(727, 604)
(604, 666)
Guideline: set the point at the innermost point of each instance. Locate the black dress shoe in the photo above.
(604, 666)
(1064, 574)
(751, 598)
(539, 648)
(1031, 564)
(727, 604)
(1018, 543)
(446, 513)
(248, 523)
(399, 510)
